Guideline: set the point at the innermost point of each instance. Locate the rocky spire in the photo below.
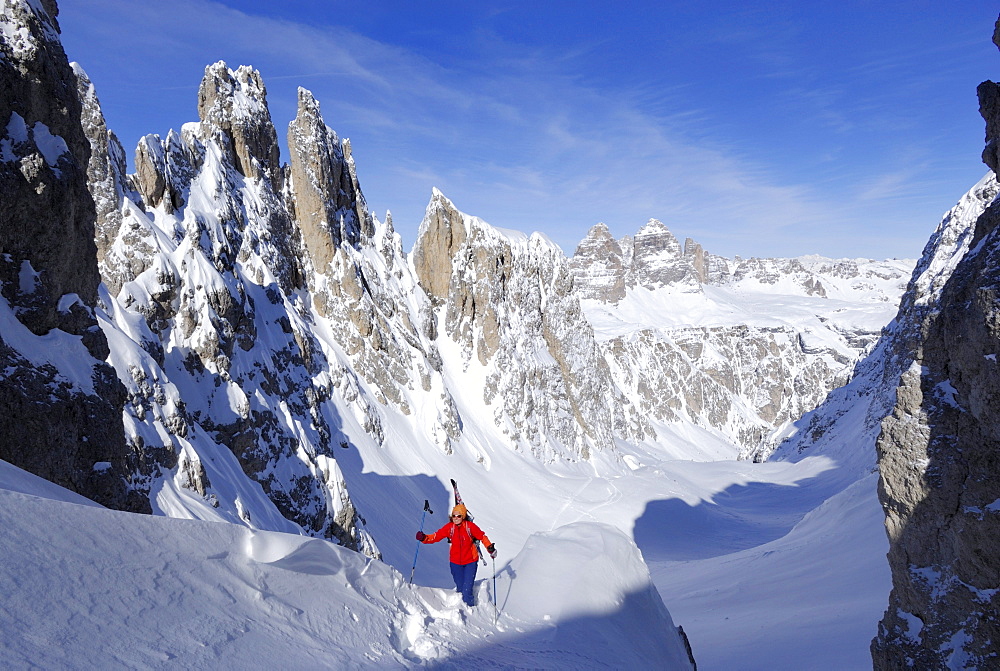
(696, 255)
(598, 266)
(658, 260)
(236, 104)
(442, 233)
(325, 195)
(106, 168)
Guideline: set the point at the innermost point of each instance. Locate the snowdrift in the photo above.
(87, 587)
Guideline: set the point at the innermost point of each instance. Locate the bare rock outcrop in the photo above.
(939, 455)
(658, 260)
(325, 195)
(60, 402)
(235, 102)
(106, 167)
(989, 108)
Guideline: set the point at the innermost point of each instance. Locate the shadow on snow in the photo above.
(738, 518)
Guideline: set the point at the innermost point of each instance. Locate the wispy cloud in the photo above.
(522, 136)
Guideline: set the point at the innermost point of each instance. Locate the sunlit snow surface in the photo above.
(85, 587)
(760, 572)
(858, 307)
(766, 566)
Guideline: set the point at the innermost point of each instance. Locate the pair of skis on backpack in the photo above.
(469, 517)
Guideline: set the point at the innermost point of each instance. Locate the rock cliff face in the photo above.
(599, 266)
(939, 455)
(604, 268)
(209, 329)
(327, 198)
(60, 403)
(507, 302)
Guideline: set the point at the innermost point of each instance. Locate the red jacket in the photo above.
(463, 550)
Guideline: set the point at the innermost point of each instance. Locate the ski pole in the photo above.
(496, 616)
(427, 509)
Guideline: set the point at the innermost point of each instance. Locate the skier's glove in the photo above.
(492, 549)
(421, 536)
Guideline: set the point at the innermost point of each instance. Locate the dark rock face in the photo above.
(60, 404)
(939, 456)
(43, 173)
(939, 453)
(989, 108)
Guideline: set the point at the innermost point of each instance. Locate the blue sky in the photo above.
(758, 129)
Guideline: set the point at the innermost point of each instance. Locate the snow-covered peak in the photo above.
(654, 228)
(598, 235)
(606, 268)
(226, 96)
(598, 266)
(949, 242)
(440, 205)
(235, 104)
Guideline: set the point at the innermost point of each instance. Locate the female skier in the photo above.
(464, 555)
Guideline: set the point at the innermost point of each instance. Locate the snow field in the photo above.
(758, 562)
(158, 592)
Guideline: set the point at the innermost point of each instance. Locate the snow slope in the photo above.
(157, 592)
(759, 562)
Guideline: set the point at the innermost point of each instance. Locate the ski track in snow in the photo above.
(578, 503)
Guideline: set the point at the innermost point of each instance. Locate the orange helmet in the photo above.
(460, 509)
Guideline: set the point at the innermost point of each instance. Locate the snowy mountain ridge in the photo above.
(871, 392)
(260, 309)
(738, 347)
(283, 366)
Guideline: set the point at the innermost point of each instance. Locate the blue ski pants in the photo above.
(465, 576)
